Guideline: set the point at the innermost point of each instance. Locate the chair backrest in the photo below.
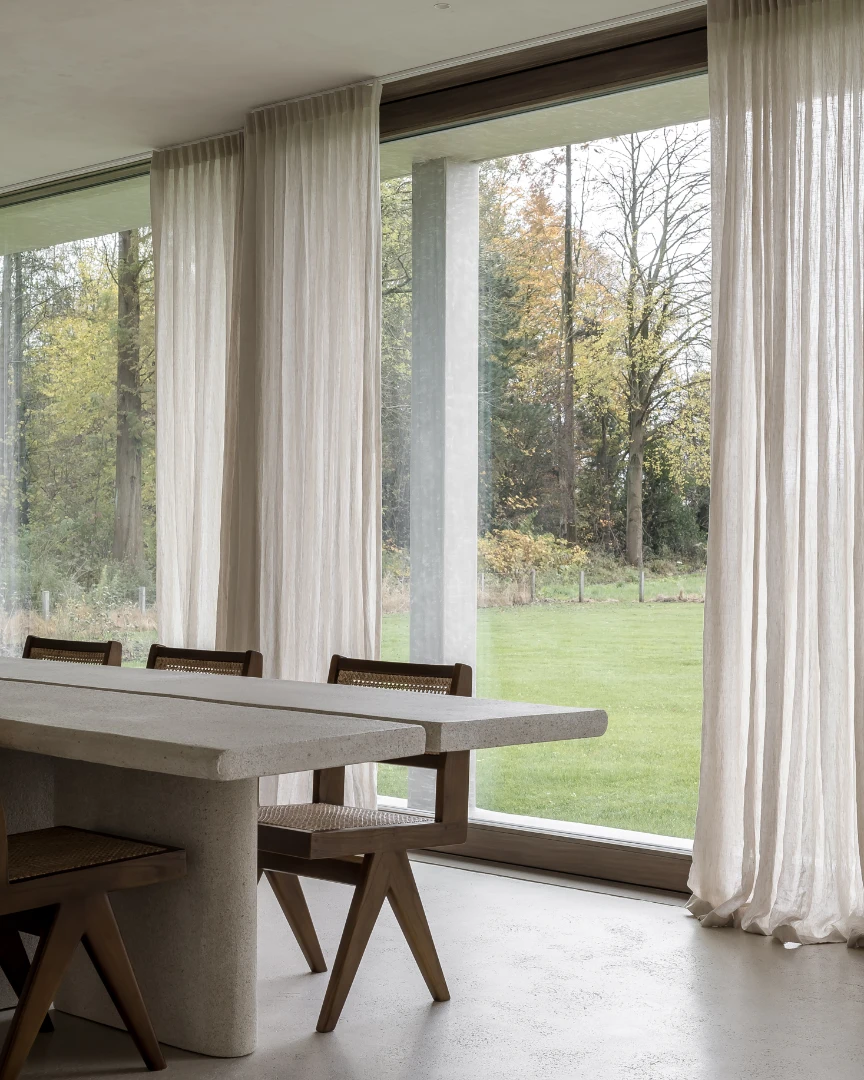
(387, 675)
(105, 653)
(206, 661)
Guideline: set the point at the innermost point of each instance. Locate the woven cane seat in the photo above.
(41, 653)
(327, 817)
(384, 680)
(201, 665)
(61, 849)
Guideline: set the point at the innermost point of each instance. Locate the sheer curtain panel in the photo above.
(195, 209)
(777, 847)
(269, 501)
(301, 536)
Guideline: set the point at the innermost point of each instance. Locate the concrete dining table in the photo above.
(175, 757)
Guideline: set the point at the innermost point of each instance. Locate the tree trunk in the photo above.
(635, 466)
(16, 400)
(5, 353)
(7, 474)
(608, 482)
(568, 425)
(128, 524)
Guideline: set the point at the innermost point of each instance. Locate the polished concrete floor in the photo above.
(547, 982)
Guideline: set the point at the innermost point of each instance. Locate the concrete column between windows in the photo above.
(444, 418)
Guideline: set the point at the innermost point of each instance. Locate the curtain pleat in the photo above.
(298, 489)
(777, 845)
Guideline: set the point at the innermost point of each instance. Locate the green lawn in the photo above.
(640, 662)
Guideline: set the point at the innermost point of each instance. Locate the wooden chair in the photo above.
(105, 653)
(206, 661)
(366, 848)
(54, 883)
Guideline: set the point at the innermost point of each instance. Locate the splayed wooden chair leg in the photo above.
(106, 950)
(366, 904)
(408, 909)
(49, 965)
(15, 965)
(289, 893)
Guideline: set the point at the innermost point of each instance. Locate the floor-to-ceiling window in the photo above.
(573, 326)
(77, 417)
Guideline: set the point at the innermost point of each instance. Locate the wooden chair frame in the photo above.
(112, 650)
(63, 909)
(252, 662)
(374, 860)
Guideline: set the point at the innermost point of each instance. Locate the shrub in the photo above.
(512, 554)
(395, 562)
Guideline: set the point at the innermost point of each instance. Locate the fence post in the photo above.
(581, 586)
(46, 605)
(533, 585)
(142, 599)
(641, 586)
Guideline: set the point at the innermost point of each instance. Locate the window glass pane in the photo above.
(77, 419)
(593, 363)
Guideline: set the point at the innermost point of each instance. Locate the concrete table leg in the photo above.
(192, 942)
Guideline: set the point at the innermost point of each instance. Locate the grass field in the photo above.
(640, 662)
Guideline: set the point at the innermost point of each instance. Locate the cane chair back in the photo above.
(101, 653)
(452, 679)
(206, 661)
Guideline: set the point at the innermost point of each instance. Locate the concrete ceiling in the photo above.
(92, 81)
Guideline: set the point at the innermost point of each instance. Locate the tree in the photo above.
(567, 470)
(396, 361)
(8, 486)
(520, 347)
(657, 189)
(128, 524)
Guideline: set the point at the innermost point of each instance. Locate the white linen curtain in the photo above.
(302, 501)
(195, 194)
(781, 804)
(298, 570)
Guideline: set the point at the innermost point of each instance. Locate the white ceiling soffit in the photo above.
(660, 105)
(91, 81)
(93, 211)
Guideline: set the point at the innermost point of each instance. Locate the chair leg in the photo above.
(289, 893)
(408, 909)
(15, 964)
(106, 950)
(52, 958)
(366, 903)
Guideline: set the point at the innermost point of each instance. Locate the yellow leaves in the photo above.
(510, 553)
(69, 387)
(684, 445)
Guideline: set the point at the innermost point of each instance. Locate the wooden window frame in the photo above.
(635, 54)
(627, 862)
(583, 856)
(64, 185)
